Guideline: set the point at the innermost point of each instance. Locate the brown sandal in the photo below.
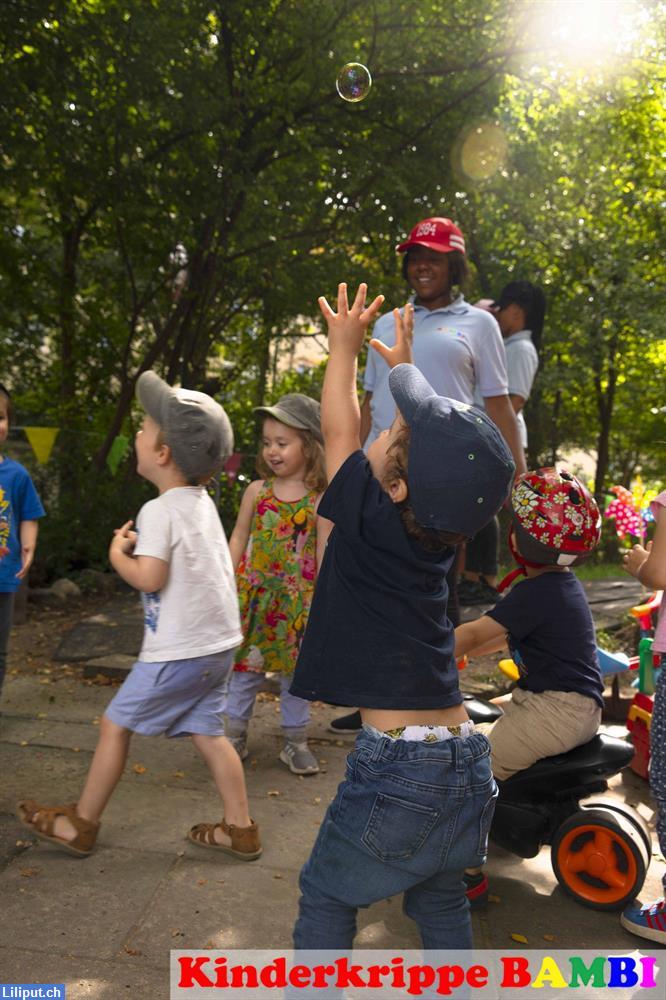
(245, 842)
(40, 820)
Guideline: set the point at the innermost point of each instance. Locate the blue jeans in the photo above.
(409, 817)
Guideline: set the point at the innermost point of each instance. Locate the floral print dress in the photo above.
(276, 579)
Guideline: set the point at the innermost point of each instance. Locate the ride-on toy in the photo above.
(601, 849)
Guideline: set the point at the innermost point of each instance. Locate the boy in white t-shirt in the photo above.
(179, 560)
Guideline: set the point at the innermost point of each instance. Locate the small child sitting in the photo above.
(547, 623)
(179, 559)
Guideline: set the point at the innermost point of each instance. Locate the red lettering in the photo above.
(375, 975)
(191, 974)
(348, 975)
(449, 976)
(319, 974)
(241, 972)
(299, 975)
(515, 972)
(420, 976)
(477, 976)
(274, 975)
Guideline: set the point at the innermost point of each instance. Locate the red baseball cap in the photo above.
(436, 234)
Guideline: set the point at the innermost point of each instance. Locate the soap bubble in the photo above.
(353, 82)
(481, 152)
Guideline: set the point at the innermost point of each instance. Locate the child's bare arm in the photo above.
(324, 528)
(340, 412)
(144, 573)
(243, 525)
(648, 564)
(482, 636)
(28, 533)
(401, 352)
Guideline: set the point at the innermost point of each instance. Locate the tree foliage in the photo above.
(132, 129)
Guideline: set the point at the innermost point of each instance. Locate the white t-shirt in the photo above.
(196, 612)
(522, 362)
(459, 349)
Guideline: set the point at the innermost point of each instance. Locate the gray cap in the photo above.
(195, 427)
(296, 410)
(460, 469)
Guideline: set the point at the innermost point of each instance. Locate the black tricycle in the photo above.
(600, 848)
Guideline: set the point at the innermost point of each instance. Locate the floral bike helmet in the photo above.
(555, 520)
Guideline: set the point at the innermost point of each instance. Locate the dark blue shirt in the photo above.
(549, 624)
(378, 635)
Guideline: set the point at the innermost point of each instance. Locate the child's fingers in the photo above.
(381, 349)
(371, 311)
(326, 310)
(343, 304)
(359, 299)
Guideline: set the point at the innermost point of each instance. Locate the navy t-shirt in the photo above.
(378, 635)
(549, 624)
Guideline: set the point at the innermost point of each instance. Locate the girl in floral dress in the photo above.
(276, 546)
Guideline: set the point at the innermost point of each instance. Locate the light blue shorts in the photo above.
(177, 698)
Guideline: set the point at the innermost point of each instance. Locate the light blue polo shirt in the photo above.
(458, 348)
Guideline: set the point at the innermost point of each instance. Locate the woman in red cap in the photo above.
(457, 346)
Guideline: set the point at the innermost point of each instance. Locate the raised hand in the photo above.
(347, 326)
(402, 352)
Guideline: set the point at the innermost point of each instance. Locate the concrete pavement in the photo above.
(104, 925)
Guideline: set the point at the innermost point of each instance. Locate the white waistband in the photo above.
(424, 734)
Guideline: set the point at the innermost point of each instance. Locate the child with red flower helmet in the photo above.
(546, 622)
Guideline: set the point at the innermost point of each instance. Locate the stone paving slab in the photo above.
(87, 979)
(84, 907)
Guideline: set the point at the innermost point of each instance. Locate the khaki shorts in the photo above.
(539, 725)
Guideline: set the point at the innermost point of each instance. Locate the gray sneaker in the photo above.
(235, 731)
(299, 758)
(239, 743)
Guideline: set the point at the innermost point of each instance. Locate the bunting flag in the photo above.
(117, 452)
(41, 441)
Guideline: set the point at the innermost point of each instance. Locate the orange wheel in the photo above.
(600, 858)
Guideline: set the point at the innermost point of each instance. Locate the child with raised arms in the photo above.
(276, 546)
(416, 804)
(179, 560)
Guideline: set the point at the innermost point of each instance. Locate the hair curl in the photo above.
(397, 461)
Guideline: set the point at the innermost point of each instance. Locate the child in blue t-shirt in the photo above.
(20, 507)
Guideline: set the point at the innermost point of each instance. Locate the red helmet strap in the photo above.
(522, 563)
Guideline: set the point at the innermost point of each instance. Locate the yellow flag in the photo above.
(42, 440)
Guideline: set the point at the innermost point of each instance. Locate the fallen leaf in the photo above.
(273, 792)
(132, 951)
(317, 799)
(29, 872)
(139, 769)
(23, 743)
(202, 881)
(520, 938)
(179, 774)
(42, 715)
(45, 680)
(76, 749)
(278, 876)
(549, 937)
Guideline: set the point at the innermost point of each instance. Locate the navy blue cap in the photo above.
(460, 469)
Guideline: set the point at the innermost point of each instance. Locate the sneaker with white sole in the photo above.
(647, 921)
(299, 758)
